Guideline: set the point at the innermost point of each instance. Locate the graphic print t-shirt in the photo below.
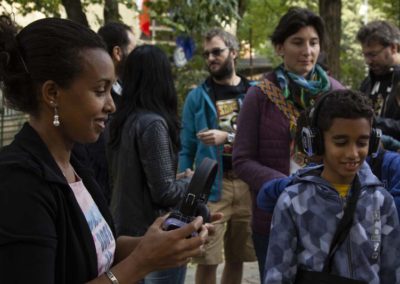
(103, 238)
(228, 101)
(381, 87)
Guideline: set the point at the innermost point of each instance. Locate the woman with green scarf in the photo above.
(264, 143)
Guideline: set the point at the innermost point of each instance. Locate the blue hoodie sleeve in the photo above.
(281, 262)
(391, 176)
(389, 271)
(188, 135)
(270, 192)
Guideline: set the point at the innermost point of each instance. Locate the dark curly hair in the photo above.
(47, 49)
(342, 104)
(295, 19)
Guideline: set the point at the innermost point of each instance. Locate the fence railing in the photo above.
(10, 122)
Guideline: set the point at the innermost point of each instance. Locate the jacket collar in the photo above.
(29, 140)
(206, 87)
(45, 165)
(312, 174)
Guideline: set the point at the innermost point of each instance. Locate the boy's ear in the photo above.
(50, 92)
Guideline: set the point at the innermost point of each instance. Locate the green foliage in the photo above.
(50, 8)
(353, 69)
(192, 18)
(390, 9)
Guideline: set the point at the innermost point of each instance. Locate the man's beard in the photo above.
(225, 71)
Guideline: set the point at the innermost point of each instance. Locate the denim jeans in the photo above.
(167, 276)
(260, 246)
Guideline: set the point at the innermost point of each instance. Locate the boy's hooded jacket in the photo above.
(385, 167)
(305, 220)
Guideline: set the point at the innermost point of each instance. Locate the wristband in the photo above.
(230, 137)
(111, 277)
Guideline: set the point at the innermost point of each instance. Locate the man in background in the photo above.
(209, 125)
(380, 46)
(120, 41)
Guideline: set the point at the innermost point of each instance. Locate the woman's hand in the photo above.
(161, 249)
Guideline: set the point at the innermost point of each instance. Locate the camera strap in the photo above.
(199, 187)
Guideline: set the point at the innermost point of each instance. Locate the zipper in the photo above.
(349, 257)
(350, 266)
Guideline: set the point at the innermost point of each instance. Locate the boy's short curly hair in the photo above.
(342, 104)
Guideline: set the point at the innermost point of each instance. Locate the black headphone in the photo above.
(312, 138)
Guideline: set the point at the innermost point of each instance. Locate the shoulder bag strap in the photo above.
(275, 95)
(345, 223)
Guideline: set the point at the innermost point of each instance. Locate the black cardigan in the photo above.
(44, 236)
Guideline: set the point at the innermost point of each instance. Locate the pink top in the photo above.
(102, 236)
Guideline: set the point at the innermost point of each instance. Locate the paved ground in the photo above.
(250, 273)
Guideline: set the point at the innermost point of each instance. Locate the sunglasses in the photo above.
(215, 52)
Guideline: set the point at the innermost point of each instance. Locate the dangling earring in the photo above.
(56, 118)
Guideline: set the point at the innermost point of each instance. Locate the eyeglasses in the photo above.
(373, 54)
(215, 52)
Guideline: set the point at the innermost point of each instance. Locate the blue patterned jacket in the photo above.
(304, 222)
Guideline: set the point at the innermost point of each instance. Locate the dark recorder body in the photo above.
(195, 200)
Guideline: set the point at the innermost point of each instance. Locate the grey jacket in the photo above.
(143, 174)
(305, 220)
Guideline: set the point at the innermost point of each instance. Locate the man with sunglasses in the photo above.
(380, 43)
(209, 125)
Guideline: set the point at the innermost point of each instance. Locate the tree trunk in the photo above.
(75, 12)
(241, 9)
(111, 12)
(330, 11)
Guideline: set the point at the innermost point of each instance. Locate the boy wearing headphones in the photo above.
(308, 212)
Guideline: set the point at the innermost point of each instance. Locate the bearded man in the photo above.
(209, 124)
